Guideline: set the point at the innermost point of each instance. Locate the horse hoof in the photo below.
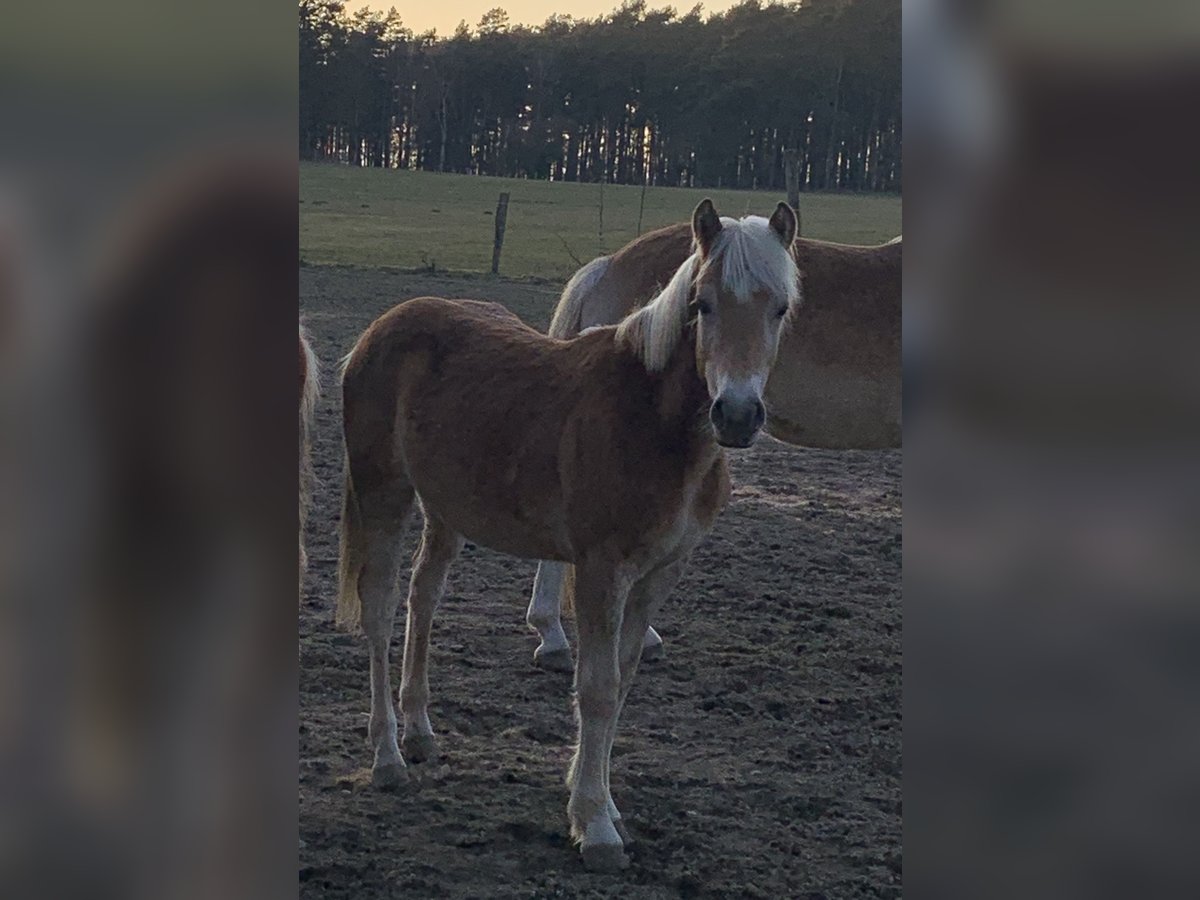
(419, 748)
(626, 837)
(389, 776)
(653, 653)
(554, 660)
(604, 858)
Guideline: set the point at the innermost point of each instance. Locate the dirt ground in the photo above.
(760, 758)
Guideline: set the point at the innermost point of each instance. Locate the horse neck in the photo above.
(682, 402)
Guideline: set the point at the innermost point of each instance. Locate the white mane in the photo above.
(752, 259)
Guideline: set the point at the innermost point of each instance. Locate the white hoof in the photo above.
(653, 652)
(618, 823)
(601, 847)
(554, 660)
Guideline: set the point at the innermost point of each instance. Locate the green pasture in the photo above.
(409, 220)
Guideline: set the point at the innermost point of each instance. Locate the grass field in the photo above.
(408, 220)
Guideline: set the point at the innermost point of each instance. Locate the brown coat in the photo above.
(533, 446)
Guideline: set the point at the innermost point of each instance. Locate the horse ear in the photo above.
(706, 225)
(783, 223)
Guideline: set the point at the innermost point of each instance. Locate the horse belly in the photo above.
(506, 534)
(517, 515)
(837, 406)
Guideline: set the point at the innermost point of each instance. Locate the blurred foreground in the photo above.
(1052, 622)
(148, 274)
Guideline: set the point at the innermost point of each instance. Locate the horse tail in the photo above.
(351, 556)
(352, 536)
(377, 495)
(310, 388)
(568, 314)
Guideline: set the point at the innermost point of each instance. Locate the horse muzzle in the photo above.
(737, 422)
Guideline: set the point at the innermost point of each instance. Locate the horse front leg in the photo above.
(645, 598)
(600, 594)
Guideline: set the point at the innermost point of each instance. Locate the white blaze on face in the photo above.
(740, 391)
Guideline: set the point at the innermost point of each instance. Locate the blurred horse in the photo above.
(604, 452)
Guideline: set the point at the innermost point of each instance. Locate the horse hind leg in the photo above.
(545, 617)
(440, 546)
(652, 646)
(379, 592)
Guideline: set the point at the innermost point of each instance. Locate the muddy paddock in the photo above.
(760, 758)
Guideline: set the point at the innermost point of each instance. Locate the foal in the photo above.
(450, 402)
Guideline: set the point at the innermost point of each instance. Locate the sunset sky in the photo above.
(444, 15)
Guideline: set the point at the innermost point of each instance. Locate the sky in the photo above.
(444, 15)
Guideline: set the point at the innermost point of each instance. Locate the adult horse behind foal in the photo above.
(635, 479)
(835, 385)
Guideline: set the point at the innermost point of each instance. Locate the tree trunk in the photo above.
(600, 232)
(442, 152)
(792, 177)
(832, 152)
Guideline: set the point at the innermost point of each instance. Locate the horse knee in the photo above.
(597, 702)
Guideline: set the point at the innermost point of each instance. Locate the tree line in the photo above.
(637, 96)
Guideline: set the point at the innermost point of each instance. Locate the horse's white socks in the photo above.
(545, 607)
(545, 610)
(613, 812)
(417, 724)
(600, 831)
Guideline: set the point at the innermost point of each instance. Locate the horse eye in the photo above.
(781, 312)
(703, 307)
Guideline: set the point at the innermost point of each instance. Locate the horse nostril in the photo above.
(717, 413)
(760, 414)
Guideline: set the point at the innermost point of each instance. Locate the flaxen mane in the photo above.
(752, 259)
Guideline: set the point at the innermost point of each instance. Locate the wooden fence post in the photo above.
(501, 216)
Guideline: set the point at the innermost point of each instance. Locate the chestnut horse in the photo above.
(451, 401)
(836, 384)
